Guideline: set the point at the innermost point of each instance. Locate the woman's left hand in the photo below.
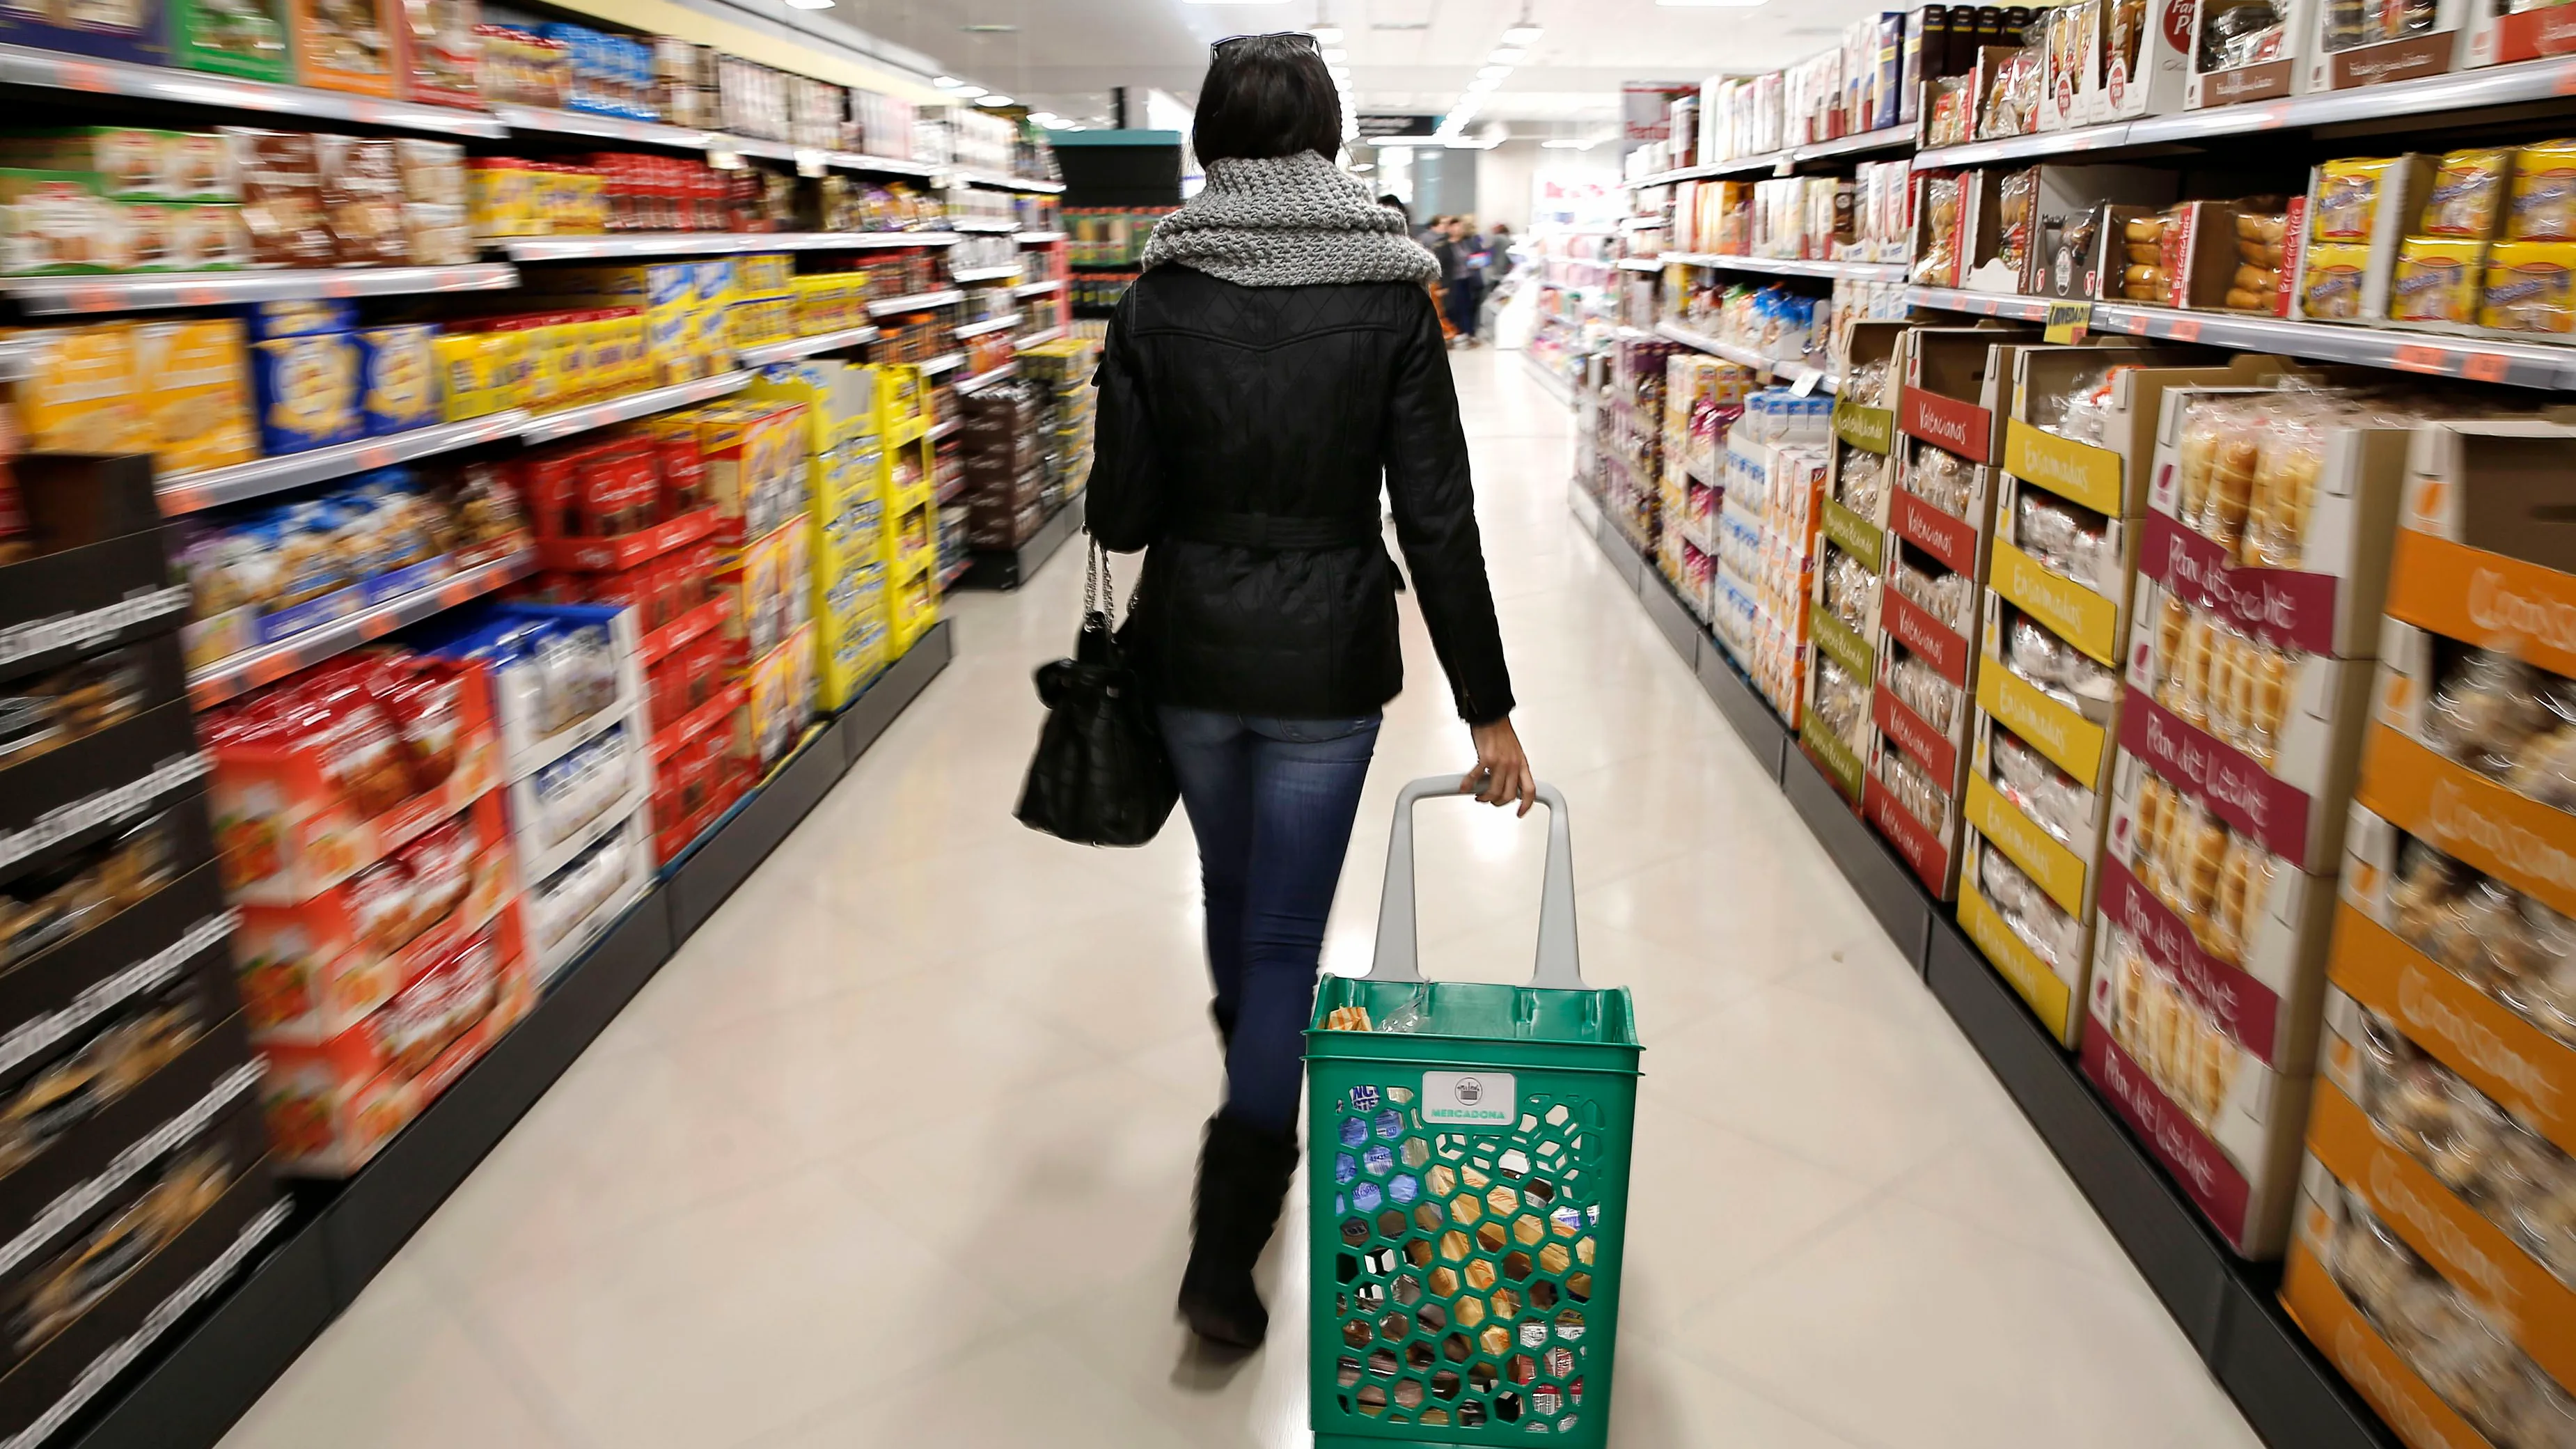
(1502, 774)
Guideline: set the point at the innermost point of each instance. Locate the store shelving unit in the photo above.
(72, 296)
(913, 302)
(1782, 163)
(1010, 569)
(977, 382)
(985, 274)
(211, 1365)
(190, 492)
(1042, 335)
(1790, 266)
(712, 243)
(49, 70)
(965, 330)
(1792, 373)
(1039, 289)
(2225, 1307)
(240, 673)
(812, 346)
(2431, 353)
(546, 427)
(938, 365)
(1001, 182)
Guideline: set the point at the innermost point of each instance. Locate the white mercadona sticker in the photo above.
(1473, 1099)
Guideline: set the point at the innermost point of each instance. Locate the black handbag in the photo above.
(1100, 776)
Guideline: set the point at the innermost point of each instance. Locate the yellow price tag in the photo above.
(2069, 321)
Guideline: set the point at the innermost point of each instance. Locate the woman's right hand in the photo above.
(1502, 774)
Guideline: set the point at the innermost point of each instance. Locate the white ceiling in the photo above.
(1407, 56)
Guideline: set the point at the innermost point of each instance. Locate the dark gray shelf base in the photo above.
(1005, 570)
(2225, 1306)
(213, 1366)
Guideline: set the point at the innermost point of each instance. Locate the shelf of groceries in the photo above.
(2155, 624)
(434, 582)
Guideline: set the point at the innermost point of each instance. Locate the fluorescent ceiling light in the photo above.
(948, 83)
(1325, 34)
(809, 4)
(1335, 55)
(1363, 166)
(991, 98)
(1509, 55)
(1041, 117)
(1565, 145)
(1494, 72)
(1522, 35)
(1715, 4)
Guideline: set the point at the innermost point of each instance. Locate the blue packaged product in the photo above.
(398, 378)
(305, 317)
(307, 391)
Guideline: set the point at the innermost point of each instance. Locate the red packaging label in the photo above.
(1928, 637)
(2246, 1009)
(2225, 782)
(1926, 852)
(1929, 747)
(2535, 33)
(1951, 540)
(2204, 1172)
(1945, 422)
(2282, 607)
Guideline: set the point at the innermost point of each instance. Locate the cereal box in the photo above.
(81, 393)
(191, 376)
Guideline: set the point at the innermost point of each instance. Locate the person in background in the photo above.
(1433, 232)
(1395, 203)
(1275, 367)
(1462, 273)
(1499, 264)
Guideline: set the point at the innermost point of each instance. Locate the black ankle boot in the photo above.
(1243, 1177)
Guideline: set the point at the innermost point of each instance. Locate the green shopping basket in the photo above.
(1469, 1184)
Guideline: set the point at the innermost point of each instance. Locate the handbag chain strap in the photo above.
(1098, 586)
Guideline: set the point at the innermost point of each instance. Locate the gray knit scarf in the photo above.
(1289, 221)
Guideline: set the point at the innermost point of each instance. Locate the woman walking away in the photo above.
(1277, 358)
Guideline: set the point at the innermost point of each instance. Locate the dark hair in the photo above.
(1267, 95)
(1395, 203)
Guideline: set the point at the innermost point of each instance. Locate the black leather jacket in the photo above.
(1243, 432)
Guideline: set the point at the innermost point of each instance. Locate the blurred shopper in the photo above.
(1462, 271)
(1277, 359)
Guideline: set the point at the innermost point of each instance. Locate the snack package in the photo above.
(2469, 194)
(2348, 198)
(83, 393)
(281, 183)
(246, 38)
(1943, 208)
(2333, 288)
(2144, 274)
(307, 392)
(54, 222)
(348, 45)
(2262, 249)
(195, 388)
(2530, 287)
(398, 377)
(2437, 280)
(362, 200)
(2544, 194)
(441, 47)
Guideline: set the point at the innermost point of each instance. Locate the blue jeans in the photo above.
(1271, 802)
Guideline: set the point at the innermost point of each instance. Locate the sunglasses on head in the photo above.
(1309, 41)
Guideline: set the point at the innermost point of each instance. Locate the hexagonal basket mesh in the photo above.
(1466, 1274)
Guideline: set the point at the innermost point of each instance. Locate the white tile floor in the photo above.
(897, 1150)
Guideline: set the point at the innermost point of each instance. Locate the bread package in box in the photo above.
(2034, 942)
(2245, 50)
(2501, 34)
(2141, 52)
(2219, 1118)
(2358, 212)
(194, 377)
(2341, 1256)
(1958, 385)
(2372, 42)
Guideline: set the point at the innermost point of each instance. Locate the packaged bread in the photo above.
(2437, 280)
(2544, 193)
(2530, 287)
(2468, 195)
(2332, 288)
(81, 392)
(2348, 198)
(1944, 203)
(195, 386)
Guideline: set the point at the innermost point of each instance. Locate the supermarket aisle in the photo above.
(897, 1150)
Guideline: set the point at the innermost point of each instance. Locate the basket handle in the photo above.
(1399, 955)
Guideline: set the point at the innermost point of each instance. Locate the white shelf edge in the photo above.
(914, 302)
(72, 296)
(810, 346)
(988, 324)
(183, 493)
(1038, 289)
(546, 427)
